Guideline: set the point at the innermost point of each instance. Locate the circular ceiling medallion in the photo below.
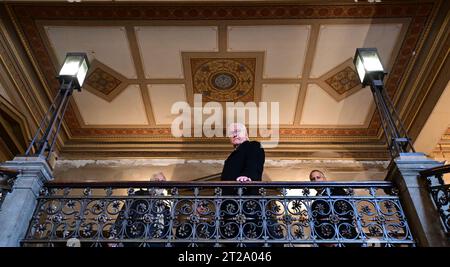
(222, 79)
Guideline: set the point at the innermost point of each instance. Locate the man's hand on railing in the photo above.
(243, 179)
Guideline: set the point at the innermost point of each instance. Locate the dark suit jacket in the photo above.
(246, 160)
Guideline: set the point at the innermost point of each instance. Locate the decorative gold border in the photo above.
(18, 117)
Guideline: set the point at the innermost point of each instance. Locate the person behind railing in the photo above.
(325, 226)
(244, 164)
(154, 213)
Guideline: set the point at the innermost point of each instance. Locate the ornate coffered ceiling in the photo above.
(147, 56)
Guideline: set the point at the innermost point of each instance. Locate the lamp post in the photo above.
(371, 72)
(71, 76)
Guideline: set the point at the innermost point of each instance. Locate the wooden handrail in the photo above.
(208, 177)
(143, 184)
(8, 172)
(435, 171)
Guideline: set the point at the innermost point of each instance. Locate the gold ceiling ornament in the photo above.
(224, 79)
(340, 82)
(102, 81)
(343, 81)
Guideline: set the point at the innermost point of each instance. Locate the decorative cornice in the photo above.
(432, 68)
(360, 155)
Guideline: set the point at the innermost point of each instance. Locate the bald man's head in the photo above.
(317, 176)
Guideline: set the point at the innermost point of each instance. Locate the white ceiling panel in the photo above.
(162, 97)
(126, 109)
(286, 95)
(337, 43)
(161, 47)
(285, 47)
(106, 44)
(321, 109)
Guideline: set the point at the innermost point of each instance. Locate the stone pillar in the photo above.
(422, 216)
(18, 206)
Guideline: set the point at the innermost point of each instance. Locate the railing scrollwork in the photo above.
(440, 193)
(220, 214)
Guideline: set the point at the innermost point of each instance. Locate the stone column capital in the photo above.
(31, 166)
(33, 172)
(18, 206)
(406, 167)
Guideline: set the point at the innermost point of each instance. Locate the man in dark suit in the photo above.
(244, 164)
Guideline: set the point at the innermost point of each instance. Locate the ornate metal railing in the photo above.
(7, 178)
(440, 193)
(220, 214)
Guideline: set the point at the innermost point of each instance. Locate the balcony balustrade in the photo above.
(219, 214)
(439, 192)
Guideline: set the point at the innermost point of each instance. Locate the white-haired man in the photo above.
(246, 162)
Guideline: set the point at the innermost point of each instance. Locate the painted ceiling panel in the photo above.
(161, 47)
(284, 94)
(337, 43)
(162, 97)
(285, 47)
(126, 109)
(321, 109)
(98, 42)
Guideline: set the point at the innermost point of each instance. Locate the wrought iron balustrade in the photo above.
(440, 193)
(220, 214)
